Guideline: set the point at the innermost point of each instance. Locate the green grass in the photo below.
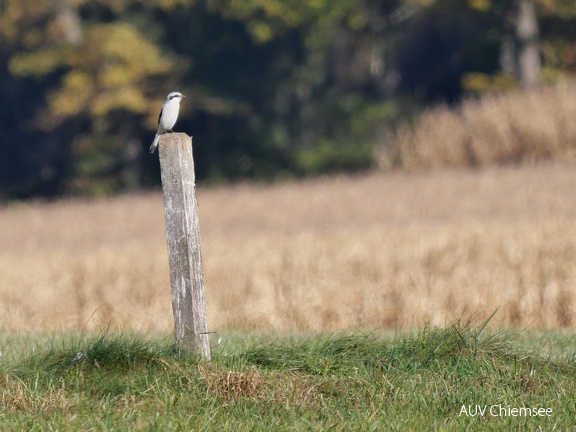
(340, 382)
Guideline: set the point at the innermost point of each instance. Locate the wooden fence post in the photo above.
(184, 248)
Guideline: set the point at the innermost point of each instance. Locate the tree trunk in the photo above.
(68, 22)
(527, 40)
(131, 164)
(508, 55)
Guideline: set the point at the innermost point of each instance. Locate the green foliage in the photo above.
(349, 123)
(268, 19)
(325, 157)
(479, 83)
(272, 382)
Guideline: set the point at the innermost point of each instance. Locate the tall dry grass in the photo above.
(380, 250)
(506, 128)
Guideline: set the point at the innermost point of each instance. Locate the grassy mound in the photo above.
(430, 380)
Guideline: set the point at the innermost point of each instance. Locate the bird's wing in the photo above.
(160, 115)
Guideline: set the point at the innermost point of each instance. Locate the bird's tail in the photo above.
(154, 143)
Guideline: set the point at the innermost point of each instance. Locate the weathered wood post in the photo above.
(184, 248)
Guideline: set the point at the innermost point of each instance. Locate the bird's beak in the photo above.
(183, 96)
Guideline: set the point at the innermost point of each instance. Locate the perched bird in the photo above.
(168, 116)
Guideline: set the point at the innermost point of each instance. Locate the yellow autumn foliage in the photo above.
(106, 72)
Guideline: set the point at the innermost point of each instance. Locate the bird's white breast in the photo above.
(170, 114)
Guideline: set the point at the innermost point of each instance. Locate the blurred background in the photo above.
(277, 88)
(460, 115)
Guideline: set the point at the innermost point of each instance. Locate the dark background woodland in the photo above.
(276, 88)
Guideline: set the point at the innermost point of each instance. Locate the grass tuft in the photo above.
(113, 353)
(321, 355)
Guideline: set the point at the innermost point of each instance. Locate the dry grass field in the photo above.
(504, 128)
(374, 251)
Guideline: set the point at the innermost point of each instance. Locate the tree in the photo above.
(530, 31)
(100, 74)
(325, 111)
(527, 37)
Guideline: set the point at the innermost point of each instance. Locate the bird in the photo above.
(168, 116)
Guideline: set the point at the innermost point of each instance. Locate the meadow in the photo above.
(375, 251)
(429, 300)
(460, 377)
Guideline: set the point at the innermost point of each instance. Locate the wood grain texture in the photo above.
(184, 245)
